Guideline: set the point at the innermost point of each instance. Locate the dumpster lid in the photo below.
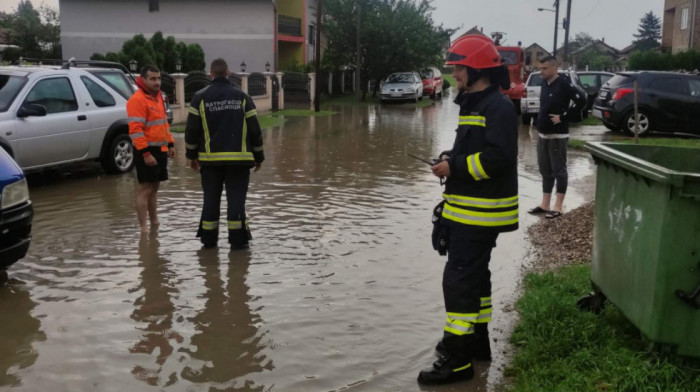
(632, 158)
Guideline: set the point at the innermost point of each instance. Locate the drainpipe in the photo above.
(692, 24)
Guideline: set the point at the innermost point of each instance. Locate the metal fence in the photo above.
(296, 87)
(257, 84)
(167, 85)
(235, 80)
(195, 81)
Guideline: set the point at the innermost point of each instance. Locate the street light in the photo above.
(267, 66)
(132, 65)
(243, 66)
(178, 65)
(556, 23)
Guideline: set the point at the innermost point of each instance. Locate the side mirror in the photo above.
(31, 109)
(586, 85)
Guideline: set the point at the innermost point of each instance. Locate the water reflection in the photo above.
(226, 347)
(19, 330)
(154, 312)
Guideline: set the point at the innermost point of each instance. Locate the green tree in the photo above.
(395, 35)
(648, 32)
(36, 32)
(193, 58)
(580, 40)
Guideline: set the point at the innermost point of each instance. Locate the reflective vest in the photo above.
(148, 122)
(222, 127)
(482, 189)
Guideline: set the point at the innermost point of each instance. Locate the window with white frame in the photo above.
(684, 18)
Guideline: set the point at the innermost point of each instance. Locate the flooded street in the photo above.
(340, 290)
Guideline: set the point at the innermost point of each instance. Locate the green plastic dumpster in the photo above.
(646, 240)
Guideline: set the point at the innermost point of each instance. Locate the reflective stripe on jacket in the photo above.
(148, 122)
(482, 189)
(222, 127)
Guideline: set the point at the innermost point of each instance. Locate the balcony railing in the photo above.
(287, 25)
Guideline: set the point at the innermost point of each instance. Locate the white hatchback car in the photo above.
(402, 86)
(51, 115)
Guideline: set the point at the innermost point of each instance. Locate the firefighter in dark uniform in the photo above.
(480, 201)
(223, 141)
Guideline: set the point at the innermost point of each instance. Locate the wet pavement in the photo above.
(339, 291)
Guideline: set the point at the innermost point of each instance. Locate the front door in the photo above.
(60, 136)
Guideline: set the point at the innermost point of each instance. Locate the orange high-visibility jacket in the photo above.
(148, 122)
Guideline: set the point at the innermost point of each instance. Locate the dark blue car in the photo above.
(16, 212)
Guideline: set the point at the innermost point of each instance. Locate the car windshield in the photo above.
(9, 87)
(400, 78)
(535, 80)
(426, 74)
(508, 57)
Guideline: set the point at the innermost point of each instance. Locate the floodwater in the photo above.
(339, 291)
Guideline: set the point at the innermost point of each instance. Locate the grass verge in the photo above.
(671, 142)
(302, 113)
(266, 121)
(590, 120)
(647, 141)
(561, 348)
(450, 79)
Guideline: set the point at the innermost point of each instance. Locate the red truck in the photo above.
(514, 58)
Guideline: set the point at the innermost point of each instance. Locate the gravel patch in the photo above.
(563, 241)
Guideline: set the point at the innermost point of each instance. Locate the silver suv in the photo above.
(53, 115)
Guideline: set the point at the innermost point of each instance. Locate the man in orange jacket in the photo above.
(154, 144)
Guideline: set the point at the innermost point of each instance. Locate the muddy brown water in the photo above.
(339, 291)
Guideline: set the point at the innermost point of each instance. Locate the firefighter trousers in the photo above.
(235, 179)
(466, 284)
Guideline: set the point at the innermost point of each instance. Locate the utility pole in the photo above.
(317, 65)
(556, 26)
(566, 33)
(358, 74)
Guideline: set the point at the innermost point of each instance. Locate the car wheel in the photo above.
(119, 158)
(526, 118)
(644, 123)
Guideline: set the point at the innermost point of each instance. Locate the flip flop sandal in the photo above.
(553, 214)
(537, 210)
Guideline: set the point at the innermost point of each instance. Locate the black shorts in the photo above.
(155, 173)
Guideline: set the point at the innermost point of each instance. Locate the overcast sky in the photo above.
(614, 20)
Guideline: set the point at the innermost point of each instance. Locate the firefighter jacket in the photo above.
(148, 122)
(482, 189)
(222, 127)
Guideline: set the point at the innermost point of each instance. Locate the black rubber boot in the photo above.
(481, 348)
(447, 370)
(454, 366)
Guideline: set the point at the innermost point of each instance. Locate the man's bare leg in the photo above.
(143, 193)
(559, 203)
(547, 200)
(153, 205)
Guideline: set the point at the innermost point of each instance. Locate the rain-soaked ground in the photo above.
(339, 291)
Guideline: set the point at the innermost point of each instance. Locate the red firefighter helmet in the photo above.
(474, 51)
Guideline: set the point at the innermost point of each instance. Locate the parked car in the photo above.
(432, 82)
(530, 104)
(592, 81)
(402, 86)
(16, 212)
(53, 115)
(668, 102)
